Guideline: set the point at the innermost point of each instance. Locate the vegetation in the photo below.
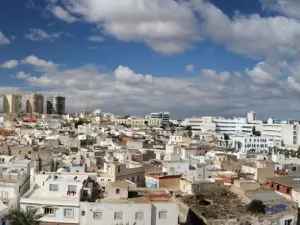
(256, 207)
(21, 217)
(190, 133)
(226, 138)
(255, 133)
(172, 130)
(79, 122)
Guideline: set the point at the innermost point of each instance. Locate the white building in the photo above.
(122, 205)
(283, 133)
(14, 182)
(138, 122)
(57, 197)
(246, 143)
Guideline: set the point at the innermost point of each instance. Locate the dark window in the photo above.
(278, 187)
(83, 213)
(117, 191)
(288, 222)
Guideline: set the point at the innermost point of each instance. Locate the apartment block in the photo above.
(35, 103)
(56, 105)
(123, 204)
(12, 103)
(14, 182)
(57, 197)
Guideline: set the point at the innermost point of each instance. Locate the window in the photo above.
(28, 208)
(288, 222)
(53, 187)
(139, 215)
(118, 215)
(119, 169)
(68, 213)
(97, 215)
(278, 187)
(49, 211)
(72, 188)
(83, 213)
(117, 191)
(162, 214)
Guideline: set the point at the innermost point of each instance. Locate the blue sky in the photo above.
(135, 56)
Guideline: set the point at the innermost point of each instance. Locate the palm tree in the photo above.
(22, 217)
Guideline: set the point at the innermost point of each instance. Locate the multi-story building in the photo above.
(283, 133)
(247, 143)
(138, 122)
(225, 125)
(57, 196)
(12, 103)
(14, 182)
(164, 116)
(35, 103)
(124, 204)
(56, 105)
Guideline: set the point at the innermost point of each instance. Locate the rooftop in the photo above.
(216, 205)
(290, 181)
(223, 204)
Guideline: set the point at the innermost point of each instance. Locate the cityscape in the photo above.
(150, 112)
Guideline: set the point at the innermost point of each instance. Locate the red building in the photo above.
(283, 184)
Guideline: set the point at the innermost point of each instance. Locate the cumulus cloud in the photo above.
(151, 22)
(190, 68)
(289, 8)
(3, 39)
(40, 64)
(212, 74)
(126, 91)
(62, 14)
(96, 38)
(36, 34)
(9, 64)
(265, 36)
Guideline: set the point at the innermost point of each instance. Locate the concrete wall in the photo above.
(128, 210)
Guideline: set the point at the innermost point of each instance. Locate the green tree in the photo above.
(21, 217)
(226, 138)
(256, 207)
(172, 130)
(79, 122)
(254, 131)
(190, 133)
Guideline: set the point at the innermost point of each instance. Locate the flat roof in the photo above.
(290, 181)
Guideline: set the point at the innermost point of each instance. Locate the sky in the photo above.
(188, 57)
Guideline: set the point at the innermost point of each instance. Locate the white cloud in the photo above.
(125, 91)
(62, 14)
(9, 64)
(20, 75)
(96, 38)
(36, 34)
(275, 36)
(152, 22)
(212, 74)
(40, 63)
(289, 8)
(190, 68)
(3, 39)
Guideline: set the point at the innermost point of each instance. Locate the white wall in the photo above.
(128, 210)
(172, 213)
(59, 213)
